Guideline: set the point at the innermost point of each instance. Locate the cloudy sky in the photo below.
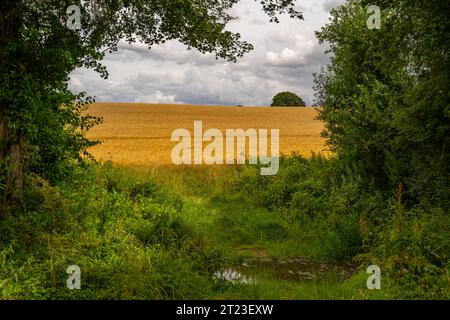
(284, 59)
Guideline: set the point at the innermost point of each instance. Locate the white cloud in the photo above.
(157, 97)
(295, 56)
(76, 84)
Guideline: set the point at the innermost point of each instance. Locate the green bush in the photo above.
(346, 217)
(125, 232)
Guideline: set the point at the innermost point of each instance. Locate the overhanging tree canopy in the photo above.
(40, 126)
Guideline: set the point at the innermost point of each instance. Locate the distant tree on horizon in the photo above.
(287, 99)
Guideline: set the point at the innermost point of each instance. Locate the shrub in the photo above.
(287, 99)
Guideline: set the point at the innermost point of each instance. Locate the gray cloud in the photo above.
(171, 51)
(332, 4)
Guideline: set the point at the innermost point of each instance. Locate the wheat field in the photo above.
(140, 134)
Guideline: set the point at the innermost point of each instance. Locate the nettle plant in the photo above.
(41, 123)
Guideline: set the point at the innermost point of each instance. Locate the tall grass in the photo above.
(343, 216)
(162, 233)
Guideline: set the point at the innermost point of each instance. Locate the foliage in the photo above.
(287, 99)
(127, 245)
(384, 98)
(385, 103)
(134, 237)
(343, 216)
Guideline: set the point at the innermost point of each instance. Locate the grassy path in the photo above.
(258, 243)
(165, 233)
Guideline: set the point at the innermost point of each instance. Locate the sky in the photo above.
(284, 59)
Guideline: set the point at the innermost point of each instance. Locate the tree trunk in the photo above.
(3, 147)
(11, 165)
(14, 182)
(11, 162)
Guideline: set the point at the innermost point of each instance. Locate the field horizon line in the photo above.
(106, 103)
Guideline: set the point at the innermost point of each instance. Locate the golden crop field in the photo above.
(140, 134)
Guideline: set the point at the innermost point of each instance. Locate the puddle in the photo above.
(294, 270)
(233, 276)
